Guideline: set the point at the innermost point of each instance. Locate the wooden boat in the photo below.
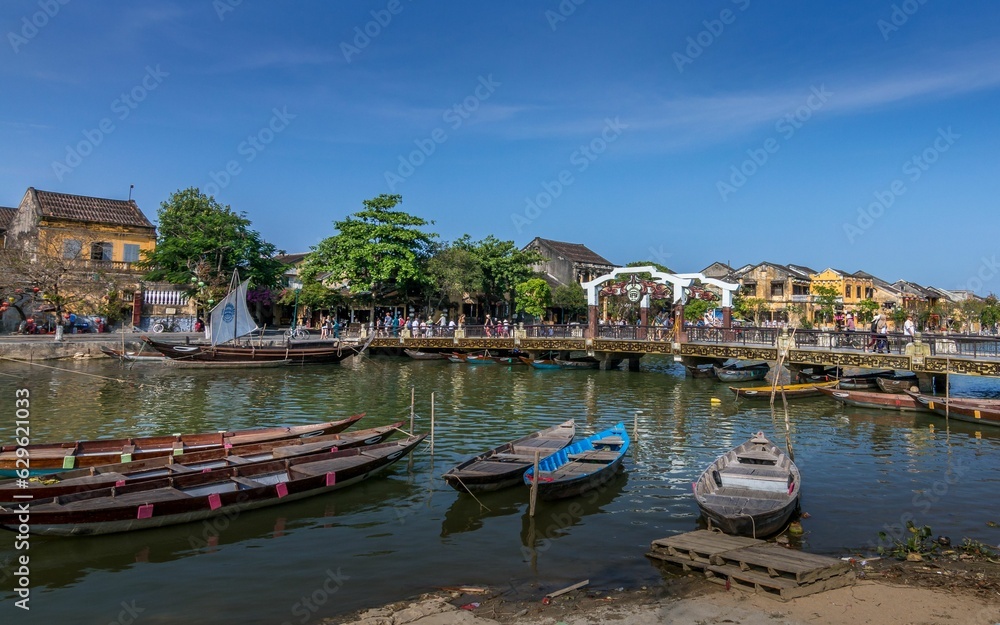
(197, 496)
(53, 457)
(309, 353)
(132, 356)
(104, 476)
(791, 391)
(701, 371)
(985, 412)
(419, 355)
(898, 385)
(480, 359)
(859, 382)
(456, 357)
(578, 363)
(505, 465)
(736, 373)
(751, 490)
(582, 466)
(540, 363)
(872, 399)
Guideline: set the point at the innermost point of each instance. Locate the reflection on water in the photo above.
(407, 531)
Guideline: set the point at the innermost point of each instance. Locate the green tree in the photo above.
(695, 309)
(826, 298)
(199, 238)
(376, 250)
(503, 265)
(751, 308)
(533, 297)
(453, 272)
(990, 315)
(570, 299)
(865, 311)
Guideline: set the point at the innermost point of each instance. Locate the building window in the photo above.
(869, 293)
(749, 290)
(72, 248)
(777, 289)
(847, 292)
(100, 251)
(800, 289)
(130, 253)
(857, 291)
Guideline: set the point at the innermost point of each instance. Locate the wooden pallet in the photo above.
(753, 565)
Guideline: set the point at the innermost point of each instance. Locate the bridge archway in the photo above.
(680, 285)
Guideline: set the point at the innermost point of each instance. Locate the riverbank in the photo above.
(888, 592)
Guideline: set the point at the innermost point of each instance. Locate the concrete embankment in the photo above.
(45, 348)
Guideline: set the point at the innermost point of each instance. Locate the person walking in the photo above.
(909, 328)
(873, 332)
(882, 330)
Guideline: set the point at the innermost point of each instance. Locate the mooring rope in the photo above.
(92, 375)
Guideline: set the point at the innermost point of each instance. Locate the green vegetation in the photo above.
(826, 298)
(919, 542)
(533, 297)
(570, 299)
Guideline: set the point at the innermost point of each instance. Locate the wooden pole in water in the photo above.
(534, 488)
(635, 424)
(432, 422)
(412, 390)
(947, 390)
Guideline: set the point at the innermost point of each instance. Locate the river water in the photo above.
(407, 532)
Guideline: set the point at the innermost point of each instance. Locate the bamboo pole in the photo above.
(534, 488)
(412, 391)
(947, 391)
(432, 422)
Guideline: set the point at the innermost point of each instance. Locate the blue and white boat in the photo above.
(582, 466)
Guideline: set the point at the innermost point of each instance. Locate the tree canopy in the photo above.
(502, 263)
(570, 299)
(533, 297)
(199, 238)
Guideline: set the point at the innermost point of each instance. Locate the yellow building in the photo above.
(851, 287)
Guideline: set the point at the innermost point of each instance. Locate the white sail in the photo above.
(230, 318)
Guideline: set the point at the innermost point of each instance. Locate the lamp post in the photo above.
(295, 284)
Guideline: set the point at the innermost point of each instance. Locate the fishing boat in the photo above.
(133, 355)
(582, 466)
(505, 465)
(53, 457)
(701, 371)
(983, 412)
(230, 321)
(540, 363)
(790, 391)
(482, 358)
(419, 355)
(751, 490)
(898, 384)
(577, 363)
(457, 357)
(872, 399)
(198, 496)
(742, 373)
(79, 480)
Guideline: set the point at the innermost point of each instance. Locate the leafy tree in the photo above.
(865, 311)
(376, 250)
(695, 309)
(453, 272)
(826, 298)
(898, 317)
(570, 299)
(503, 265)
(646, 263)
(533, 297)
(751, 307)
(202, 241)
(990, 314)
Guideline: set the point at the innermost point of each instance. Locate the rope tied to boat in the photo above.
(481, 504)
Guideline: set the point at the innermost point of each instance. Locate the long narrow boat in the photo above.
(296, 353)
(582, 466)
(791, 391)
(44, 458)
(419, 355)
(132, 356)
(578, 363)
(751, 490)
(540, 363)
(701, 371)
(985, 412)
(79, 480)
(747, 373)
(197, 496)
(871, 399)
(899, 384)
(505, 465)
(456, 357)
(483, 358)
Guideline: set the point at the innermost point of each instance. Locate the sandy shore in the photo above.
(691, 601)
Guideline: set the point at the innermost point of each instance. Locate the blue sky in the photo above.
(859, 135)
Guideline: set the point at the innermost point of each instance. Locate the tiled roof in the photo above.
(90, 209)
(575, 252)
(6, 216)
(290, 259)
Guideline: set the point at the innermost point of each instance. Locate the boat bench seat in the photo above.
(237, 460)
(518, 457)
(246, 482)
(756, 457)
(595, 456)
(608, 440)
(180, 468)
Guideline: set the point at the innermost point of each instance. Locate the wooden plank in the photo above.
(803, 567)
(781, 588)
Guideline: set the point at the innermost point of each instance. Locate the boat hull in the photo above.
(869, 399)
(743, 374)
(791, 391)
(301, 354)
(567, 473)
(981, 414)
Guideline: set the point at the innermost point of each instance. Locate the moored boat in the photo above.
(872, 399)
(899, 384)
(197, 496)
(701, 371)
(419, 355)
(310, 353)
(984, 412)
(790, 391)
(132, 356)
(92, 478)
(751, 490)
(505, 465)
(540, 363)
(744, 373)
(581, 466)
(54, 457)
(578, 363)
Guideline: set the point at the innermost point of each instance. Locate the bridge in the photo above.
(928, 355)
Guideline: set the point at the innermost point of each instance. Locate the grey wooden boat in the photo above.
(751, 490)
(505, 465)
(897, 385)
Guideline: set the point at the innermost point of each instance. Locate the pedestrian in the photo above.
(873, 330)
(850, 322)
(882, 329)
(909, 329)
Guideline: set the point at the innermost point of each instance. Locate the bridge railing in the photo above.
(967, 345)
(634, 333)
(743, 335)
(555, 331)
